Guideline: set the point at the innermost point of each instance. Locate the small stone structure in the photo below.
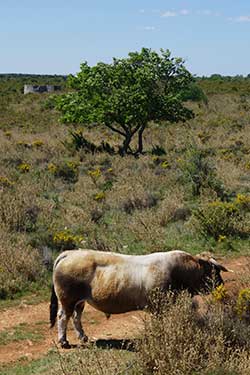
(40, 88)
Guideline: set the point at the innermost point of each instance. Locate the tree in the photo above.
(128, 93)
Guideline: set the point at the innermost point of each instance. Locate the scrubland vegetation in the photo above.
(66, 186)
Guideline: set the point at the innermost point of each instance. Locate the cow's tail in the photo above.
(53, 307)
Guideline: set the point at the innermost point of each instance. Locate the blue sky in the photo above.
(55, 36)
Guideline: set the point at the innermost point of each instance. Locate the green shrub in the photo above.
(68, 171)
(243, 304)
(199, 171)
(195, 94)
(65, 240)
(220, 219)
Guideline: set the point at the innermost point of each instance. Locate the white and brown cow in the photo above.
(115, 283)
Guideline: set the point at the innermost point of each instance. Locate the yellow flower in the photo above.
(242, 199)
(243, 303)
(72, 165)
(52, 168)
(247, 165)
(65, 239)
(94, 173)
(5, 182)
(38, 143)
(8, 134)
(221, 238)
(24, 167)
(165, 164)
(100, 196)
(219, 293)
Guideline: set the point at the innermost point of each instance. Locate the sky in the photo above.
(56, 36)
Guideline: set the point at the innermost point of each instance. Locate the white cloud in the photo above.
(239, 19)
(185, 12)
(148, 28)
(169, 13)
(243, 19)
(205, 12)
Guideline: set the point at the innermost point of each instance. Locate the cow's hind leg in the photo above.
(63, 318)
(77, 314)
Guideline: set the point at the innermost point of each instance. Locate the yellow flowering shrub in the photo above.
(247, 165)
(52, 168)
(7, 134)
(100, 196)
(165, 164)
(219, 293)
(219, 219)
(94, 174)
(68, 171)
(65, 240)
(243, 304)
(24, 167)
(243, 200)
(222, 238)
(5, 182)
(38, 143)
(23, 144)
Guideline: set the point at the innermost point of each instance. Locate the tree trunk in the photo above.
(125, 146)
(140, 140)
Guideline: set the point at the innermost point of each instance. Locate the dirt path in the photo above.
(96, 325)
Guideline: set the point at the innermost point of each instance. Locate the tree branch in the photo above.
(115, 130)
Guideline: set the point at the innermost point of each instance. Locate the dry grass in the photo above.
(129, 205)
(177, 342)
(20, 265)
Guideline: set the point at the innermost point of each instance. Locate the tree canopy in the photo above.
(128, 93)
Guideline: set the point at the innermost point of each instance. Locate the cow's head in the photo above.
(211, 275)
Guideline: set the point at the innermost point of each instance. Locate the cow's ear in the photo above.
(218, 265)
(205, 264)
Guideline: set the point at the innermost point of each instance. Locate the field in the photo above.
(190, 190)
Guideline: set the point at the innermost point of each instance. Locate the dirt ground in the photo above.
(95, 323)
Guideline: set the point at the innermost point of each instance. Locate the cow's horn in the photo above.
(219, 266)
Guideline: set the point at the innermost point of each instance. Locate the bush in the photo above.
(176, 341)
(64, 240)
(243, 304)
(19, 210)
(20, 266)
(68, 171)
(221, 219)
(200, 172)
(195, 94)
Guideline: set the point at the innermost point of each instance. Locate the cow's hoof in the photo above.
(65, 344)
(84, 339)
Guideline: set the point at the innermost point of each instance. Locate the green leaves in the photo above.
(128, 93)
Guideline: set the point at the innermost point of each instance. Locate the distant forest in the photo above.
(13, 82)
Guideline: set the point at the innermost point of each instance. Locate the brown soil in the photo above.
(96, 325)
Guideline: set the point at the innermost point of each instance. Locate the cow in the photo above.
(116, 283)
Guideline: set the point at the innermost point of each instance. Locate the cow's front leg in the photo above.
(77, 314)
(63, 319)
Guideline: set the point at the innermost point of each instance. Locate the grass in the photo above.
(112, 362)
(43, 366)
(128, 205)
(21, 332)
(34, 295)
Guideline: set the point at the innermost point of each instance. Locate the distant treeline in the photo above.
(13, 83)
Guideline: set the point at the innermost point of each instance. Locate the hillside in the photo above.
(193, 177)
(190, 190)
